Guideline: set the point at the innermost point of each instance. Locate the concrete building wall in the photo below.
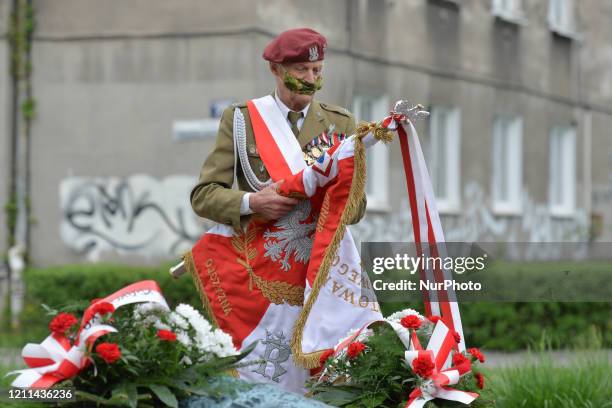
(111, 78)
(462, 56)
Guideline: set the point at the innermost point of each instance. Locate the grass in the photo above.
(585, 383)
(540, 383)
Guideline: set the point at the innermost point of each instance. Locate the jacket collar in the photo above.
(314, 124)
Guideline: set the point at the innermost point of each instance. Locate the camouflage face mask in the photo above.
(301, 86)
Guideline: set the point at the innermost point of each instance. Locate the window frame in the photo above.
(562, 152)
(377, 194)
(513, 14)
(566, 25)
(514, 167)
(450, 203)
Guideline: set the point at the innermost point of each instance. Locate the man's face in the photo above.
(308, 71)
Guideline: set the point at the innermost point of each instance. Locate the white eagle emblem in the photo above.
(292, 238)
(313, 53)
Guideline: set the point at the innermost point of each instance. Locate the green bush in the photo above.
(63, 285)
(500, 326)
(516, 326)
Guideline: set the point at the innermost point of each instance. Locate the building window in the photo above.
(508, 10)
(445, 157)
(507, 165)
(561, 17)
(371, 109)
(562, 177)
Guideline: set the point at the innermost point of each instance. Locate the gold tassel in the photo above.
(190, 266)
(311, 360)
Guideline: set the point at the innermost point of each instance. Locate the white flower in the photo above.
(207, 339)
(143, 309)
(150, 320)
(178, 321)
(194, 317)
(186, 360)
(183, 338)
(365, 333)
(225, 343)
(159, 325)
(397, 316)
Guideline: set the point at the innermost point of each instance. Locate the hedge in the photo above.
(64, 285)
(534, 325)
(501, 326)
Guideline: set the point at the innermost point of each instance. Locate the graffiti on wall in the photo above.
(135, 215)
(144, 216)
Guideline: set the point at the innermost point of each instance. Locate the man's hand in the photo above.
(270, 205)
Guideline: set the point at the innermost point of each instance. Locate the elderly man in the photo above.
(296, 62)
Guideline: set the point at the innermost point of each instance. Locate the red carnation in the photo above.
(325, 356)
(109, 352)
(479, 380)
(103, 308)
(457, 337)
(434, 319)
(411, 322)
(476, 354)
(355, 348)
(459, 359)
(166, 335)
(423, 366)
(62, 322)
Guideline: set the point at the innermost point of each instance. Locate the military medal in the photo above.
(317, 147)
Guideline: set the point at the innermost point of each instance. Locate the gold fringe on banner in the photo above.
(311, 360)
(190, 266)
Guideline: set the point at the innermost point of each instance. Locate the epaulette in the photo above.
(336, 109)
(239, 105)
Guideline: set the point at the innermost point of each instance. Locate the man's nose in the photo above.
(310, 75)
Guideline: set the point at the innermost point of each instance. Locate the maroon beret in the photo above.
(297, 45)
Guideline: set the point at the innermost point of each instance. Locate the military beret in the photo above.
(297, 45)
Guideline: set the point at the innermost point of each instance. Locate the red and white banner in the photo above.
(266, 283)
(56, 359)
(295, 284)
(427, 228)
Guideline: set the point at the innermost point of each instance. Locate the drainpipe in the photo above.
(20, 47)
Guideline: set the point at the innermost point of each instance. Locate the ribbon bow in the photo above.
(55, 359)
(436, 384)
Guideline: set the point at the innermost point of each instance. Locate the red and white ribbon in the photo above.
(55, 359)
(438, 349)
(427, 228)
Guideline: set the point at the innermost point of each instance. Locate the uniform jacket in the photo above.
(213, 196)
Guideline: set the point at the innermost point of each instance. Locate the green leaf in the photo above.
(90, 397)
(116, 400)
(337, 397)
(132, 393)
(50, 311)
(164, 394)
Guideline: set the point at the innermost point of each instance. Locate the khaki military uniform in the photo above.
(213, 196)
